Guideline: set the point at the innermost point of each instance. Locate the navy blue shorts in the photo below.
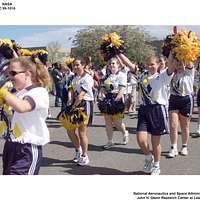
(21, 159)
(184, 104)
(88, 108)
(198, 98)
(153, 119)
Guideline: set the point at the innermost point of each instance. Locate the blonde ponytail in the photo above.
(42, 77)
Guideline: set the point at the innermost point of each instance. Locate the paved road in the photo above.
(120, 160)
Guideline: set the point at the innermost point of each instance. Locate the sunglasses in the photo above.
(14, 73)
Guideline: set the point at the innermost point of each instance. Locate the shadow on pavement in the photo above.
(97, 125)
(89, 170)
(65, 144)
(194, 119)
(74, 169)
(123, 150)
(131, 130)
(54, 162)
(92, 147)
(53, 123)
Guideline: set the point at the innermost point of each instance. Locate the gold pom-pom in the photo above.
(67, 121)
(69, 61)
(7, 42)
(113, 38)
(186, 46)
(24, 52)
(39, 51)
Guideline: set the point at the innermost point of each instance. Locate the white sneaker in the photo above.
(126, 138)
(84, 160)
(77, 156)
(184, 151)
(148, 164)
(108, 145)
(155, 170)
(172, 153)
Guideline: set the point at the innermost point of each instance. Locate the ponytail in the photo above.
(42, 77)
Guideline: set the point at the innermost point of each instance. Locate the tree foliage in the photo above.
(137, 42)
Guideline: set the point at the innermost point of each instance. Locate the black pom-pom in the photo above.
(105, 44)
(167, 46)
(43, 58)
(110, 51)
(110, 106)
(6, 51)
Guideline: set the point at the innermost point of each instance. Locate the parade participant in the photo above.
(196, 89)
(22, 152)
(184, 45)
(131, 99)
(180, 107)
(80, 103)
(90, 69)
(152, 115)
(111, 102)
(68, 76)
(66, 82)
(57, 79)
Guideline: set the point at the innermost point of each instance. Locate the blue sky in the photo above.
(41, 35)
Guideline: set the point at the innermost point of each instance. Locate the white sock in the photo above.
(79, 149)
(157, 164)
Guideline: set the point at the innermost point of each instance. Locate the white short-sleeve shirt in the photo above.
(30, 127)
(85, 83)
(182, 82)
(155, 87)
(117, 80)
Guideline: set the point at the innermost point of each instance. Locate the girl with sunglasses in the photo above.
(22, 154)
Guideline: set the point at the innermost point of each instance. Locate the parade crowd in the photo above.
(160, 91)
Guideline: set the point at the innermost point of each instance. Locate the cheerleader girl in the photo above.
(80, 95)
(112, 102)
(180, 107)
(22, 154)
(152, 115)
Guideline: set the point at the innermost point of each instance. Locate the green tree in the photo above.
(137, 42)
